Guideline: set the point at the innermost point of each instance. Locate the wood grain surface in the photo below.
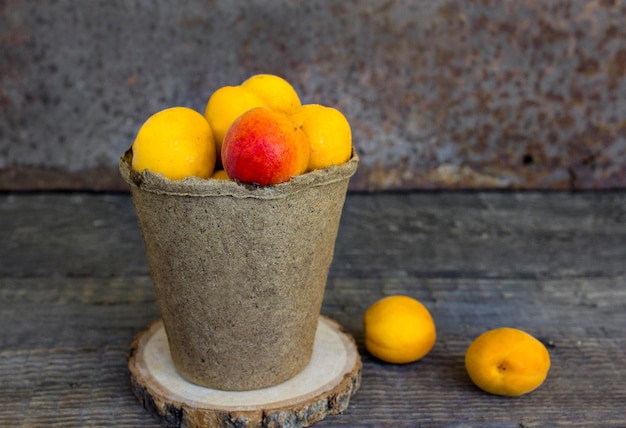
(323, 388)
(75, 289)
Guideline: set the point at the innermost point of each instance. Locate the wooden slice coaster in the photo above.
(323, 388)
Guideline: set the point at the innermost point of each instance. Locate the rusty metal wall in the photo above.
(441, 94)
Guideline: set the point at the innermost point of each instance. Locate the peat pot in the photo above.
(239, 270)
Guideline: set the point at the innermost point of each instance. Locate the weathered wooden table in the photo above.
(75, 289)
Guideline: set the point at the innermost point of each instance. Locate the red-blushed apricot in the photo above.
(264, 147)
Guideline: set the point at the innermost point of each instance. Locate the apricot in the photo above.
(224, 106)
(507, 361)
(399, 329)
(328, 132)
(277, 93)
(176, 142)
(264, 147)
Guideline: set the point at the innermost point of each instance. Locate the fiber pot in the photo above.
(239, 270)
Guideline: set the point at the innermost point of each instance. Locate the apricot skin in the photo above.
(263, 147)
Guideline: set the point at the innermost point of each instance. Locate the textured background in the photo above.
(441, 94)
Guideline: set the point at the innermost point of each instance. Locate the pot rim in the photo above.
(198, 187)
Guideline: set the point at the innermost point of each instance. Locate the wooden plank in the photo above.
(480, 234)
(73, 296)
(69, 235)
(71, 387)
(593, 307)
(62, 369)
(73, 312)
